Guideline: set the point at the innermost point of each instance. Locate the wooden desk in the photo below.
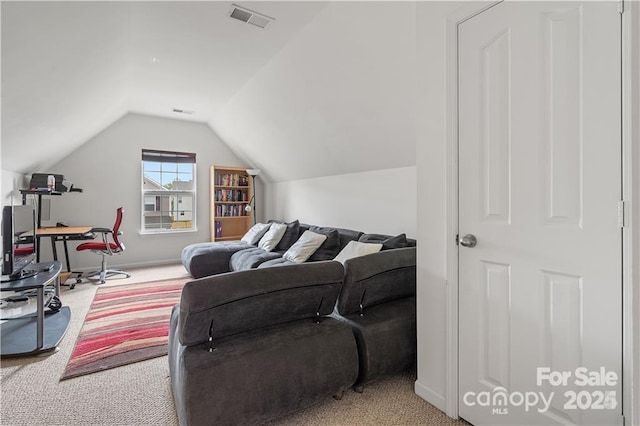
(39, 193)
(64, 234)
(62, 231)
(30, 334)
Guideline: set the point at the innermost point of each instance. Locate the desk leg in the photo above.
(38, 226)
(66, 253)
(40, 319)
(54, 250)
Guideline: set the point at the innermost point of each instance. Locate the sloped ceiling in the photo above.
(325, 89)
(337, 99)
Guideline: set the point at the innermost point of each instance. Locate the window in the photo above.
(168, 191)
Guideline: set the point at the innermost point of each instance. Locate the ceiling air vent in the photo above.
(182, 111)
(249, 16)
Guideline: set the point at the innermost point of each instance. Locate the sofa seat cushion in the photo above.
(251, 258)
(386, 338)
(281, 261)
(204, 259)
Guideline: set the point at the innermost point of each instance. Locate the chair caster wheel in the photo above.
(358, 388)
(338, 396)
(72, 286)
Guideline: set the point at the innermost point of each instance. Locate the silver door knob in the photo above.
(468, 240)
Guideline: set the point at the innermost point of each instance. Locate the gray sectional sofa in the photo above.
(378, 301)
(265, 336)
(273, 347)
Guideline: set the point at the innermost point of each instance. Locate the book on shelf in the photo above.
(232, 179)
(232, 195)
(231, 210)
(230, 192)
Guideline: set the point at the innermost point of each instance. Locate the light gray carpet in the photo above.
(140, 393)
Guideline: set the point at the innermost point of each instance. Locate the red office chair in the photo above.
(106, 248)
(24, 250)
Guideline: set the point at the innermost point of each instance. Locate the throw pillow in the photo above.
(399, 241)
(355, 249)
(271, 239)
(306, 245)
(256, 232)
(330, 248)
(290, 236)
(388, 243)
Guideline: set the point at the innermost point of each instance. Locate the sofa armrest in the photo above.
(377, 278)
(236, 302)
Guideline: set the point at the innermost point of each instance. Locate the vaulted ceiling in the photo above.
(325, 89)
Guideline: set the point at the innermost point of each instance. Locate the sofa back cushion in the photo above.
(388, 242)
(236, 302)
(347, 235)
(344, 234)
(330, 247)
(377, 278)
(290, 236)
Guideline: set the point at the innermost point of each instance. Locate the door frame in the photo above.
(630, 140)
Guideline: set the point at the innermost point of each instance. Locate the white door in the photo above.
(540, 179)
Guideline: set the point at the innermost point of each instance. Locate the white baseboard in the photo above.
(125, 266)
(432, 397)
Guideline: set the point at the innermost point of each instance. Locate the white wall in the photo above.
(12, 183)
(108, 169)
(632, 237)
(431, 165)
(382, 201)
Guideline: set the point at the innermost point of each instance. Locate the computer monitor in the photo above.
(39, 181)
(18, 242)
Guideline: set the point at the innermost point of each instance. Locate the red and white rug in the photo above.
(125, 324)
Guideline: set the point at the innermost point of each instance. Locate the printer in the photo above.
(39, 183)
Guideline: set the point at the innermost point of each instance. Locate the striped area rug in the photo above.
(125, 324)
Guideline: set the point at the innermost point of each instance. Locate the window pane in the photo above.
(169, 167)
(168, 194)
(185, 168)
(182, 184)
(151, 166)
(168, 179)
(167, 211)
(151, 182)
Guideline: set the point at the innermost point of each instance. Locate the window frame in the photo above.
(174, 198)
